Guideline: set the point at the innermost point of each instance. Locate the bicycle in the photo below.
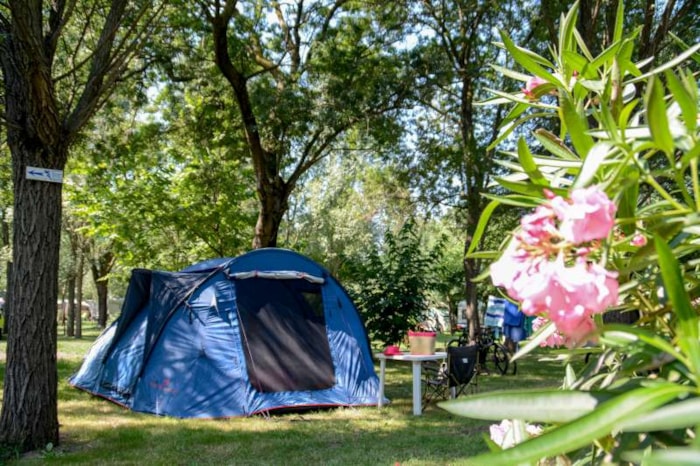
(490, 350)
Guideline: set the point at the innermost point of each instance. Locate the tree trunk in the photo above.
(452, 314)
(475, 169)
(588, 15)
(273, 204)
(62, 312)
(5, 237)
(39, 131)
(102, 295)
(70, 304)
(471, 271)
(100, 267)
(71, 281)
(29, 417)
(79, 294)
(4, 231)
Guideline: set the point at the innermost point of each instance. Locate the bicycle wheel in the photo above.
(500, 358)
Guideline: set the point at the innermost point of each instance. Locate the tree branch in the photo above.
(111, 58)
(238, 83)
(59, 15)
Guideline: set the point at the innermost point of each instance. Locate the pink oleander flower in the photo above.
(578, 327)
(638, 240)
(531, 84)
(606, 287)
(586, 285)
(569, 295)
(580, 330)
(575, 325)
(539, 290)
(547, 286)
(503, 434)
(510, 266)
(538, 227)
(546, 265)
(588, 215)
(555, 340)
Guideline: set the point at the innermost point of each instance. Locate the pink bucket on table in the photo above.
(421, 343)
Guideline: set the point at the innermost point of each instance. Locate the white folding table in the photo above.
(416, 360)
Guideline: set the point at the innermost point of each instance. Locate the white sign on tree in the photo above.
(45, 174)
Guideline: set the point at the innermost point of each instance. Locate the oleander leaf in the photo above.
(481, 226)
(551, 406)
(657, 117)
(679, 415)
(674, 456)
(528, 163)
(687, 325)
(601, 421)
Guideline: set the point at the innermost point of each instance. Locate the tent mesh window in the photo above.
(284, 334)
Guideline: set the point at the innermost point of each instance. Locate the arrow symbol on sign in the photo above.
(44, 174)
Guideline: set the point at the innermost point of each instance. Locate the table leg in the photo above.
(417, 402)
(382, 377)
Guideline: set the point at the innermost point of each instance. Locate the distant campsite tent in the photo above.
(267, 330)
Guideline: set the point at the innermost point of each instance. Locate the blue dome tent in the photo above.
(264, 331)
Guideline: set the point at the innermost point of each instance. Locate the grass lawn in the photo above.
(94, 431)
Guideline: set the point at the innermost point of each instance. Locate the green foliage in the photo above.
(394, 283)
(447, 288)
(163, 186)
(306, 77)
(9, 452)
(6, 200)
(347, 202)
(644, 152)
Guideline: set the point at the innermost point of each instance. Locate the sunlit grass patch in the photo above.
(96, 431)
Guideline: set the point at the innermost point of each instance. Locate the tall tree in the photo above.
(303, 74)
(60, 60)
(455, 59)
(101, 263)
(77, 244)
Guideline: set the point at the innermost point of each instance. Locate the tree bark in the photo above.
(470, 272)
(273, 205)
(475, 170)
(8, 294)
(472, 267)
(70, 304)
(102, 301)
(29, 415)
(100, 268)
